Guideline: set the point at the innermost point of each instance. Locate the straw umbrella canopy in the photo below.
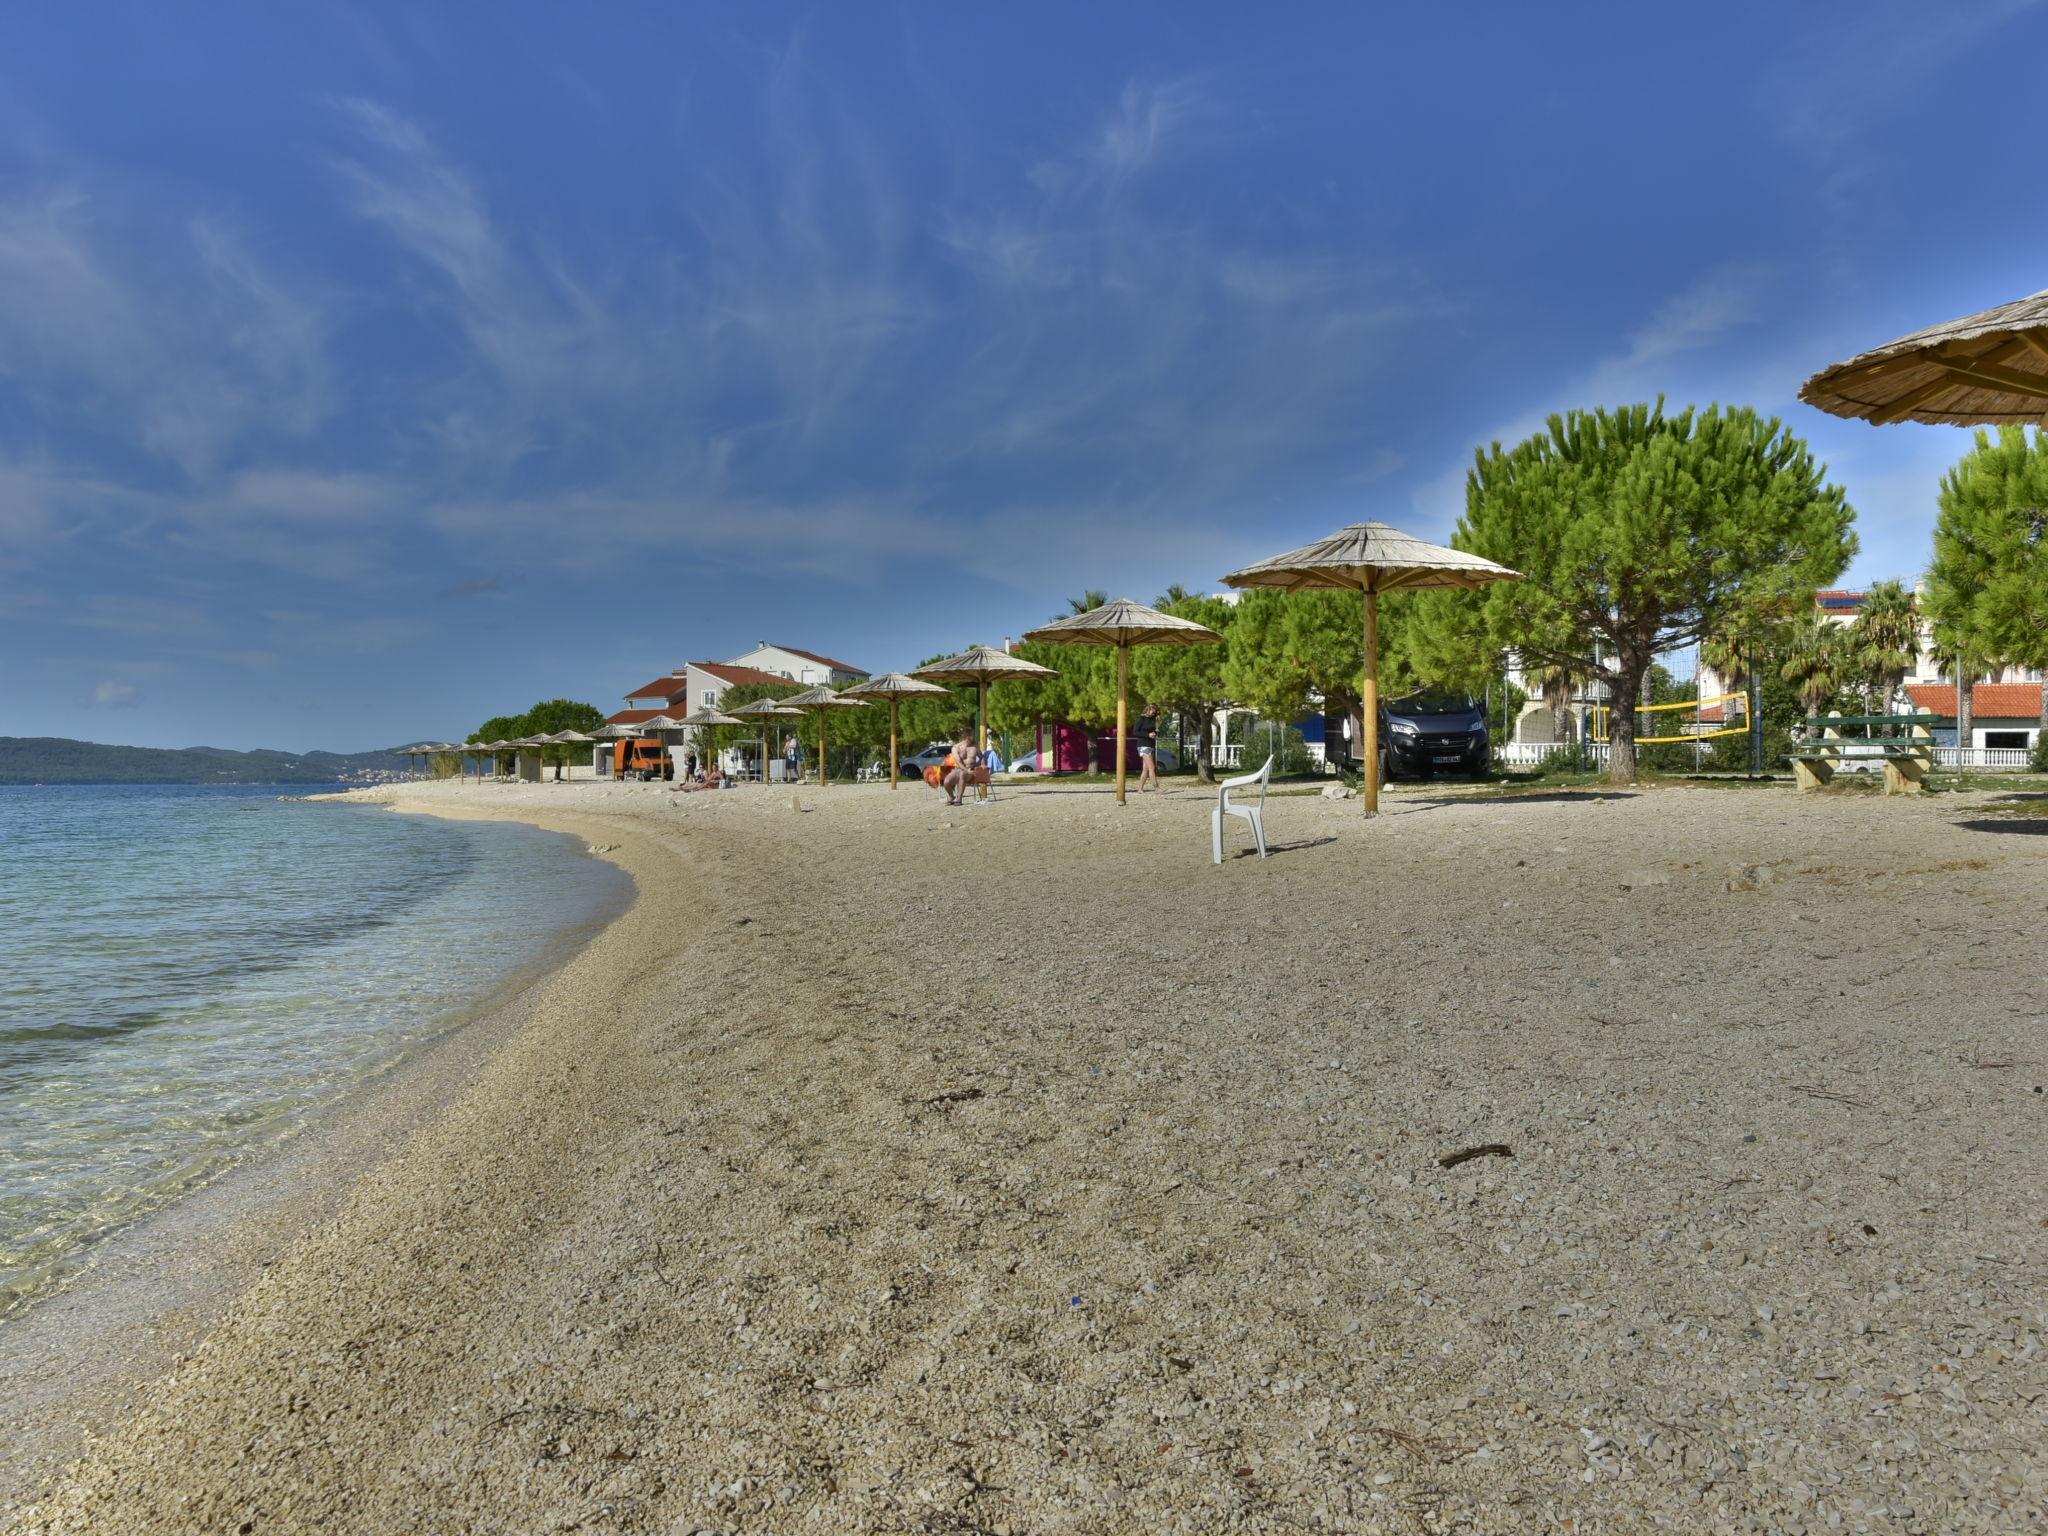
(613, 733)
(1124, 624)
(568, 739)
(895, 687)
(764, 710)
(1988, 369)
(704, 716)
(819, 702)
(982, 665)
(1371, 558)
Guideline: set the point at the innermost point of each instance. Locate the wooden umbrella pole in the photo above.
(1123, 714)
(895, 757)
(1372, 702)
(821, 749)
(982, 715)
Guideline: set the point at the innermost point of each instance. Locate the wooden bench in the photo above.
(1905, 748)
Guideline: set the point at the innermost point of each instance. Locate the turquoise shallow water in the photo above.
(187, 972)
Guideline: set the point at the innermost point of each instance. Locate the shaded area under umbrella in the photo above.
(1124, 624)
(1371, 558)
(765, 710)
(895, 687)
(567, 738)
(1984, 370)
(981, 665)
(819, 702)
(702, 718)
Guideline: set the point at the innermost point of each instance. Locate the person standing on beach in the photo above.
(1145, 732)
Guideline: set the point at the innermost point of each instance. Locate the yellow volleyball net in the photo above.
(1733, 704)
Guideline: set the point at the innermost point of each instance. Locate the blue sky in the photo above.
(366, 371)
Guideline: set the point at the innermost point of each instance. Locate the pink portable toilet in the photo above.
(1069, 748)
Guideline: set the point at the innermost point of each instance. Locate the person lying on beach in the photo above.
(711, 779)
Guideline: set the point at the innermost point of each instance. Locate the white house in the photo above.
(708, 680)
(805, 667)
(701, 684)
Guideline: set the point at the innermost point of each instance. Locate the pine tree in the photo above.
(1988, 586)
(1639, 533)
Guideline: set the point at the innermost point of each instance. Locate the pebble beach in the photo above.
(890, 1167)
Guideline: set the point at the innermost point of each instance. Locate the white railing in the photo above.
(1226, 754)
(1527, 754)
(1982, 757)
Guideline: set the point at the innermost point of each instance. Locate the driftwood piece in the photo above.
(1491, 1149)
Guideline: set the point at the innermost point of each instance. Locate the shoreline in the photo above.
(76, 1359)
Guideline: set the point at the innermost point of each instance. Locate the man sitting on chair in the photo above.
(954, 772)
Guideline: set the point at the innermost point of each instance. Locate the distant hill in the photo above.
(55, 760)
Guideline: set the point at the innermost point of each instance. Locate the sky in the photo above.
(368, 371)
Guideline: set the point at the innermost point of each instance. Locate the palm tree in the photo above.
(1086, 601)
(1887, 638)
(1813, 661)
(1558, 683)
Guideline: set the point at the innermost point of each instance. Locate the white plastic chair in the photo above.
(1251, 813)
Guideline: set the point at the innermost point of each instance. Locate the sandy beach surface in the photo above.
(888, 1167)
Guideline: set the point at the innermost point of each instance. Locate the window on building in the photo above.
(2006, 739)
(710, 697)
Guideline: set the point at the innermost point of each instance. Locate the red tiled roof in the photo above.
(634, 716)
(823, 661)
(1988, 701)
(733, 676)
(669, 688)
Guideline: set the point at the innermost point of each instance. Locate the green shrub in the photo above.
(2039, 761)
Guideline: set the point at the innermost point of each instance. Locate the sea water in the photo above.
(188, 972)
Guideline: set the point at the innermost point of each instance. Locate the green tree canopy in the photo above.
(1885, 639)
(1814, 661)
(543, 719)
(1188, 679)
(1639, 532)
(1987, 589)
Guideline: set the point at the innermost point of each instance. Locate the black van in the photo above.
(1433, 732)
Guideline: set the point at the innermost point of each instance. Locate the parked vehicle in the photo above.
(1433, 732)
(641, 757)
(1029, 762)
(913, 767)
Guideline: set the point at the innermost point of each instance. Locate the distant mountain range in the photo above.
(55, 760)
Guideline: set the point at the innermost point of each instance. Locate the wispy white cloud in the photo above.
(116, 695)
(182, 341)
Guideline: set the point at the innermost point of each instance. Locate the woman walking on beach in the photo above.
(1145, 732)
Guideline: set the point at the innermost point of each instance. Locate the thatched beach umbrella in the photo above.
(1984, 370)
(568, 739)
(819, 702)
(613, 734)
(1371, 558)
(765, 710)
(1124, 624)
(895, 687)
(982, 665)
(703, 717)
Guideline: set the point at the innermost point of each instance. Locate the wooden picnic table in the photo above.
(1906, 749)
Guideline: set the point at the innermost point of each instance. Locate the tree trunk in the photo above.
(1561, 718)
(1629, 673)
(1964, 688)
(1202, 748)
